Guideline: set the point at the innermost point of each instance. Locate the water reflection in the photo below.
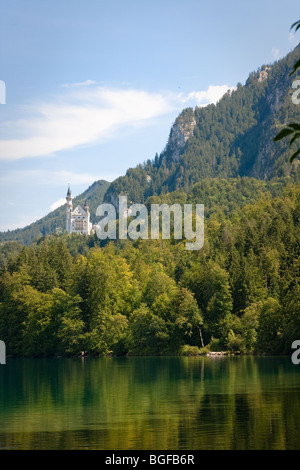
(150, 403)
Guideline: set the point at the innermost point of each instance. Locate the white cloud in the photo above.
(67, 177)
(78, 84)
(87, 113)
(293, 38)
(77, 118)
(202, 98)
(275, 53)
(58, 203)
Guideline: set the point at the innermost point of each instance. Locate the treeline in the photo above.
(240, 292)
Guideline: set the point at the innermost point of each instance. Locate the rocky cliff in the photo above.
(181, 131)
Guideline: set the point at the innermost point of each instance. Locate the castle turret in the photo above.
(69, 210)
(88, 223)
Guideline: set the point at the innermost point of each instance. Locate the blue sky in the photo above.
(93, 87)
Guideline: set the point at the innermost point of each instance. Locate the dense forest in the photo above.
(70, 293)
(61, 294)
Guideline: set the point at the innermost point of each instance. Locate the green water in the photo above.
(150, 403)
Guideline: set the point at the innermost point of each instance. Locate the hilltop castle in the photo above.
(77, 220)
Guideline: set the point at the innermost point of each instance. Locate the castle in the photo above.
(77, 220)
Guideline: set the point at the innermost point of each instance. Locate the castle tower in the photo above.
(88, 223)
(78, 219)
(69, 211)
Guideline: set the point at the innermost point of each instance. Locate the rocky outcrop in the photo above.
(263, 74)
(181, 131)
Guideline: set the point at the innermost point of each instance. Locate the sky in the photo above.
(93, 87)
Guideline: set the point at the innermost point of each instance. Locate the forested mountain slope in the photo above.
(229, 139)
(233, 138)
(55, 221)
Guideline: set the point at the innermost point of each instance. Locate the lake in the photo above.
(165, 403)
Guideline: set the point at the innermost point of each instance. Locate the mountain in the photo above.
(230, 139)
(55, 221)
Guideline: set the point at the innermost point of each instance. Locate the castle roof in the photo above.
(79, 211)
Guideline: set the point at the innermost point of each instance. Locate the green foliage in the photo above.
(187, 350)
(270, 326)
(215, 345)
(63, 294)
(292, 129)
(239, 293)
(148, 332)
